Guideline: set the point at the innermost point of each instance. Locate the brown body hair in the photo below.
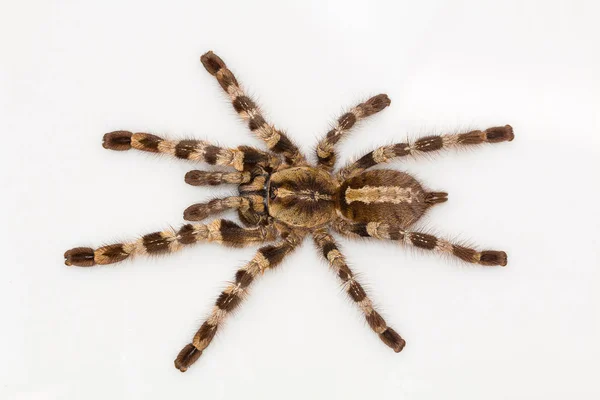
(282, 199)
(308, 197)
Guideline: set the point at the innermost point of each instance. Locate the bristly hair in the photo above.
(282, 198)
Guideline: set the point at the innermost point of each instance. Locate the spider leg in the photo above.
(193, 150)
(425, 145)
(169, 241)
(329, 249)
(267, 257)
(381, 230)
(199, 211)
(276, 140)
(213, 178)
(325, 149)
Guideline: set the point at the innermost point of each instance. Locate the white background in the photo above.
(71, 71)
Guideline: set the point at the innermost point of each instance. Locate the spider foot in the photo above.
(197, 212)
(491, 257)
(392, 339)
(212, 62)
(499, 134)
(80, 257)
(117, 140)
(187, 357)
(374, 105)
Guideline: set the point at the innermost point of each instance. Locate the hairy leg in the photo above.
(329, 249)
(325, 149)
(425, 145)
(193, 150)
(168, 241)
(267, 257)
(213, 178)
(381, 230)
(276, 140)
(199, 211)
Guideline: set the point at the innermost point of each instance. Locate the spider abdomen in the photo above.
(302, 196)
(383, 196)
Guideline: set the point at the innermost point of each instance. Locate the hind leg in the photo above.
(381, 230)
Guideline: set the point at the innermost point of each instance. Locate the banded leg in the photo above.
(213, 178)
(168, 241)
(199, 211)
(267, 257)
(193, 150)
(381, 230)
(276, 140)
(425, 145)
(325, 149)
(328, 248)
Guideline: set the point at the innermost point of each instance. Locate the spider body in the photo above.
(283, 199)
(303, 197)
(307, 197)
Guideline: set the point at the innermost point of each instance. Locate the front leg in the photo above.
(276, 140)
(168, 241)
(240, 158)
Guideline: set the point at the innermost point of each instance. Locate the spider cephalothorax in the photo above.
(283, 198)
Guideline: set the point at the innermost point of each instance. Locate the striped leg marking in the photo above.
(213, 178)
(425, 145)
(200, 211)
(248, 110)
(193, 150)
(425, 241)
(267, 257)
(169, 241)
(325, 149)
(328, 248)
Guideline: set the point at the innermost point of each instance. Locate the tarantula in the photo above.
(283, 198)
